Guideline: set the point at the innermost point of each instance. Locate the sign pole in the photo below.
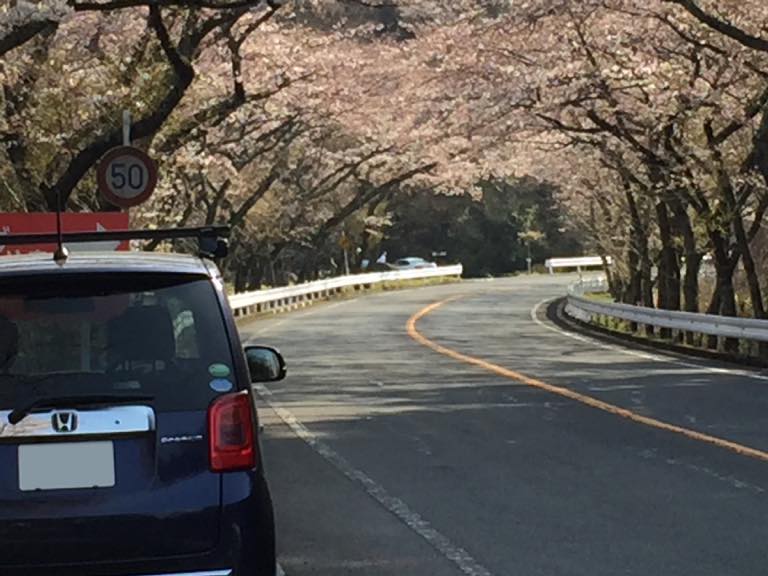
(61, 254)
(346, 262)
(126, 128)
(529, 260)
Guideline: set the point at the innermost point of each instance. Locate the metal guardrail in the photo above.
(589, 286)
(586, 310)
(291, 297)
(578, 263)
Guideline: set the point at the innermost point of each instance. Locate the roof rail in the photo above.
(212, 240)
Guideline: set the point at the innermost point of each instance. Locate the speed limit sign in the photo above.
(127, 176)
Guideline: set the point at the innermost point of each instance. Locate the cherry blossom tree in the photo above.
(668, 102)
(293, 121)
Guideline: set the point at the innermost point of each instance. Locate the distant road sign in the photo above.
(45, 223)
(345, 242)
(127, 176)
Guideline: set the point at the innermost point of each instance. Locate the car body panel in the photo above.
(164, 503)
(167, 512)
(94, 262)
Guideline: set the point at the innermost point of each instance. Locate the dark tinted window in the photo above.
(160, 335)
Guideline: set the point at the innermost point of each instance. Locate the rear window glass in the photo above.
(160, 335)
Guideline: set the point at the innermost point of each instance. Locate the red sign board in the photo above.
(45, 223)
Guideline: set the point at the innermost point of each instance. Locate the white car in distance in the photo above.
(412, 263)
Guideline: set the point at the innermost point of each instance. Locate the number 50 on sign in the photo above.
(127, 176)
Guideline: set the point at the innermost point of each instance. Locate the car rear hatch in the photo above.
(105, 383)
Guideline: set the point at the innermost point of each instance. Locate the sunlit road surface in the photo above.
(484, 441)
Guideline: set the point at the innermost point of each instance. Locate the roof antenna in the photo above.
(62, 254)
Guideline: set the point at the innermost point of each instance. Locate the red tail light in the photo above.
(230, 428)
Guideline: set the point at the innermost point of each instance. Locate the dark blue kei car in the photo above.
(128, 431)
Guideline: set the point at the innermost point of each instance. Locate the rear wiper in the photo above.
(21, 411)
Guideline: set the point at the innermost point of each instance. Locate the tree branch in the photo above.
(79, 165)
(121, 4)
(21, 34)
(255, 196)
(757, 223)
(752, 109)
(689, 38)
(364, 197)
(180, 66)
(562, 126)
(341, 174)
(733, 32)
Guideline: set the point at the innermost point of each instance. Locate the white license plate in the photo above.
(66, 466)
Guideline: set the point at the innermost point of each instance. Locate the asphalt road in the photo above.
(386, 457)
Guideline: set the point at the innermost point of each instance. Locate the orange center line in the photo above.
(414, 333)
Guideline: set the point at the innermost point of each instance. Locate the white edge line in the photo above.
(280, 571)
(458, 556)
(637, 354)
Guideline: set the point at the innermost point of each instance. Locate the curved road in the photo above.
(507, 447)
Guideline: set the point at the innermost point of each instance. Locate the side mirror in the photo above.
(265, 364)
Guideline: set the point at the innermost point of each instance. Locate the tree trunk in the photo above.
(272, 274)
(712, 309)
(615, 284)
(308, 269)
(240, 279)
(630, 289)
(646, 288)
(669, 267)
(728, 304)
(691, 288)
(631, 292)
(753, 280)
(693, 259)
(640, 247)
(742, 243)
(725, 294)
(691, 281)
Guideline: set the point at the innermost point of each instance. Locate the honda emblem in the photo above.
(64, 422)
